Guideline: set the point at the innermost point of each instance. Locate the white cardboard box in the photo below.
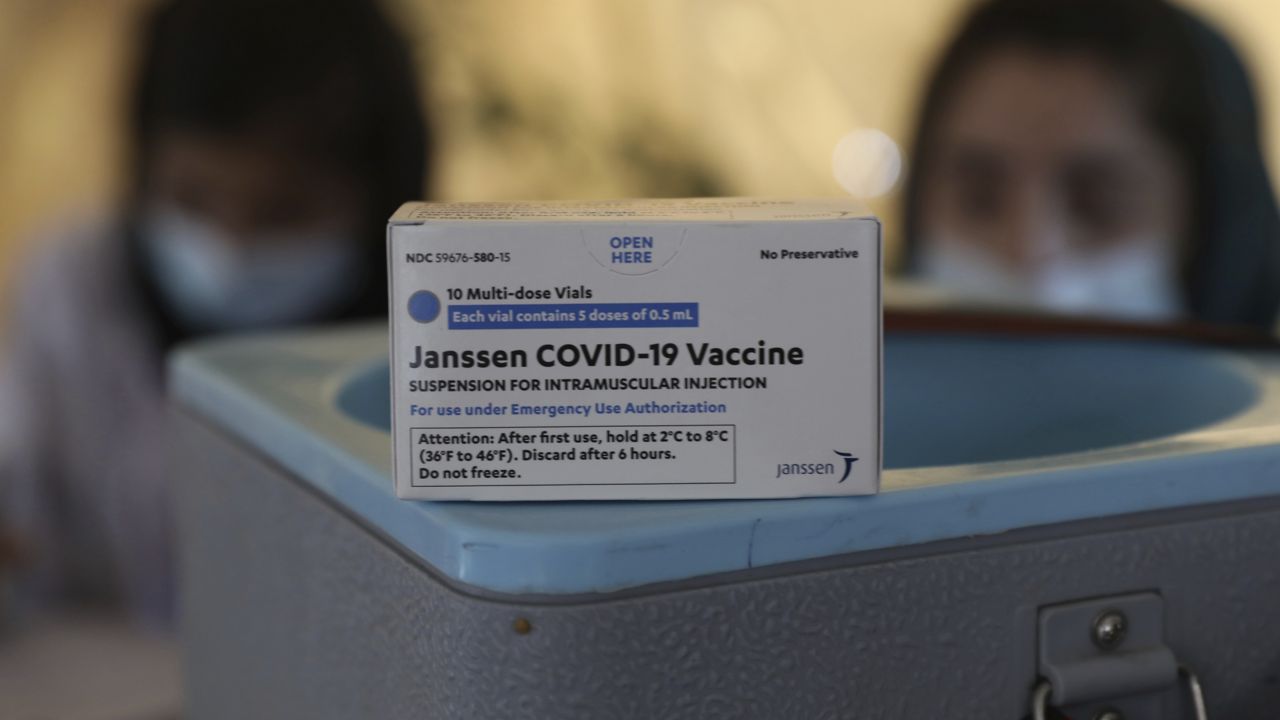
(642, 349)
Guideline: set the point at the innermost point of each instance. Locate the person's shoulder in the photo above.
(85, 247)
(69, 271)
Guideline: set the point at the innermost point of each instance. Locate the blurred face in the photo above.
(251, 188)
(1048, 189)
(249, 232)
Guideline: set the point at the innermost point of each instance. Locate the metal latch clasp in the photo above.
(1093, 651)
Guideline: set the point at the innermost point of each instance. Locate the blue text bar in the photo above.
(572, 315)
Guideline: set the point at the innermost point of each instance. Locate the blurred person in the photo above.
(270, 141)
(1095, 157)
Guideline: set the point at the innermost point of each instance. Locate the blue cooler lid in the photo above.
(981, 436)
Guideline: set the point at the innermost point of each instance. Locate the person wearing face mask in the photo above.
(1094, 157)
(270, 141)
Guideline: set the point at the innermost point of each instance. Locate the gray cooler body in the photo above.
(1031, 488)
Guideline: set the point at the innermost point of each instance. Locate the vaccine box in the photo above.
(635, 350)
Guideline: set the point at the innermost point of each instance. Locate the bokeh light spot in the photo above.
(866, 163)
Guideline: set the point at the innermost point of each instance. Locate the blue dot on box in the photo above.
(424, 306)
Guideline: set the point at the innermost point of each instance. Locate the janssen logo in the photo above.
(787, 469)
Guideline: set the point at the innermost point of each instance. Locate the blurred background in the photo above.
(563, 98)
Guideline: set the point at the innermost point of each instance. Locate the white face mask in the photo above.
(1136, 281)
(214, 284)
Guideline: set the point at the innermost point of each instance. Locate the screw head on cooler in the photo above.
(1110, 629)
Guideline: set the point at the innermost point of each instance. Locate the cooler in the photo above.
(1033, 489)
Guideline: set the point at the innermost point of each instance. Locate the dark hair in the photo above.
(1195, 95)
(335, 70)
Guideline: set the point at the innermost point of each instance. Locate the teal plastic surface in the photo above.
(981, 436)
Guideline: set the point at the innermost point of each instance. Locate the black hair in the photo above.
(1196, 96)
(336, 71)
